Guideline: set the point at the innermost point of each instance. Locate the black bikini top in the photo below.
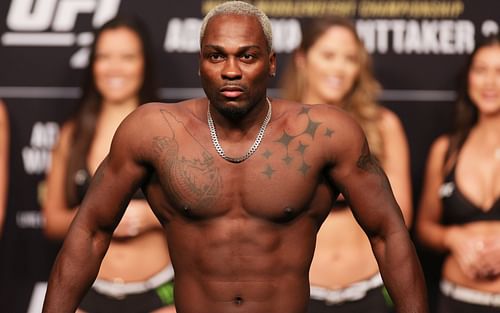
(457, 209)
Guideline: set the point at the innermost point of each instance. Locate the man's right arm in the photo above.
(87, 241)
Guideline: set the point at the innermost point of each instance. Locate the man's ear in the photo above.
(199, 63)
(272, 64)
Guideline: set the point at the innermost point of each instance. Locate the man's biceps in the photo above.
(350, 176)
(104, 204)
(366, 218)
(123, 160)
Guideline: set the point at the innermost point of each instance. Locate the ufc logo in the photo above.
(57, 15)
(51, 23)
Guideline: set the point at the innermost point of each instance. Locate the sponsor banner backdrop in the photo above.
(418, 48)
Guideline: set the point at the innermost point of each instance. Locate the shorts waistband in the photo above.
(469, 295)
(353, 292)
(119, 290)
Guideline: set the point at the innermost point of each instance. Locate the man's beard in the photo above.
(232, 112)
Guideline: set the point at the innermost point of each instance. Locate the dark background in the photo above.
(40, 87)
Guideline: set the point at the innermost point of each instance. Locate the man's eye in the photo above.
(216, 57)
(247, 57)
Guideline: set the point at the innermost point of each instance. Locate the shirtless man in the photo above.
(241, 223)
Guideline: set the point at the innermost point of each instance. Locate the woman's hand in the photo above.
(466, 248)
(478, 256)
(490, 257)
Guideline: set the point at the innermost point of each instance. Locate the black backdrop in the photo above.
(418, 49)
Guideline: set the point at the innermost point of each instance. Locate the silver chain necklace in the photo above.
(252, 149)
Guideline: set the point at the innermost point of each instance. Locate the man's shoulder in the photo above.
(332, 116)
(153, 107)
(154, 119)
(324, 118)
(150, 112)
(324, 111)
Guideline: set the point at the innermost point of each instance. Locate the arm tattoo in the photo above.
(193, 180)
(369, 163)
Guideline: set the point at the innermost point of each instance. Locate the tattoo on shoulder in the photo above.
(328, 132)
(297, 149)
(267, 154)
(297, 145)
(269, 171)
(312, 126)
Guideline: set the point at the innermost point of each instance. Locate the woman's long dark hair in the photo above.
(90, 104)
(466, 112)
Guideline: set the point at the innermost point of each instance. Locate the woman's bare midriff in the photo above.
(343, 253)
(453, 272)
(135, 259)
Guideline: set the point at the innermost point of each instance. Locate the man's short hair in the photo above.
(240, 8)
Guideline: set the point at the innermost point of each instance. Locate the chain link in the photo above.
(253, 148)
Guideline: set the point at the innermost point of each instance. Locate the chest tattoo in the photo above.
(295, 146)
(191, 175)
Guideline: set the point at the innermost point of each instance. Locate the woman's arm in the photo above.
(89, 236)
(430, 231)
(57, 215)
(4, 161)
(396, 162)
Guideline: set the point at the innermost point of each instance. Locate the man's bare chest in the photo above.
(281, 175)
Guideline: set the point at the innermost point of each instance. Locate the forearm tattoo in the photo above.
(193, 179)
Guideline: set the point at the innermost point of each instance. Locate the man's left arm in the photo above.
(359, 177)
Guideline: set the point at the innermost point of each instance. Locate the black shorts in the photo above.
(162, 296)
(449, 305)
(375, 301)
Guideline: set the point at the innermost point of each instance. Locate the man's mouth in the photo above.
(231, 91)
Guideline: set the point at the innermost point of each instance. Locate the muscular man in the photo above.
(241, 184)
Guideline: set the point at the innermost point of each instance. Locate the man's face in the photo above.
(235, 64)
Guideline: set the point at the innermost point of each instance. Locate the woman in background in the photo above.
(135, 275)
(332, 66)
(459, 212)
(4, 163)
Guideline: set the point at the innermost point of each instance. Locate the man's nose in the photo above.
(231, 69)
